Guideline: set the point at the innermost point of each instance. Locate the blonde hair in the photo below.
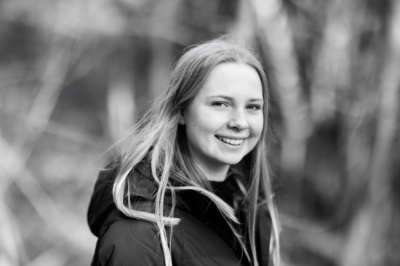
(159, 135)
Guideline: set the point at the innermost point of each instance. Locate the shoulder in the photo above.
(124, 241)
(263, 233)
(263, 221)
(132, 234)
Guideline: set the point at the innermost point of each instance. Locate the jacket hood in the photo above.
(102, 202)
(143, 192)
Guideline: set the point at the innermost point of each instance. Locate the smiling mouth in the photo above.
(233, 142)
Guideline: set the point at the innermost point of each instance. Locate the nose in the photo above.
(238, 121)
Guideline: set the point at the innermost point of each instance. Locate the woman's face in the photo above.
(225, 119)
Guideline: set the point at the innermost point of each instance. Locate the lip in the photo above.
(229, 137)
(232, 142)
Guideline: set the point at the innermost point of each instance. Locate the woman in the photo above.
(191, 186)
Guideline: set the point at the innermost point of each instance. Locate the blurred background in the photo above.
(75, 75)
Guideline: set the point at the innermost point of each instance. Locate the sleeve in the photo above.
(129, 242)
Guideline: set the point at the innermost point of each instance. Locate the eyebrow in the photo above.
(230, 98)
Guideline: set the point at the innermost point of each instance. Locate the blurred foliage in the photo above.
(75, 75)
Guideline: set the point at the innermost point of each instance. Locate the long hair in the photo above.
(159, 136)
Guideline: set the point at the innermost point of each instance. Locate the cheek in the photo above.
(204, 122)
(257, 126)
(197, 129)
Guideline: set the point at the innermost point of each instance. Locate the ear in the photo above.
(181, 117)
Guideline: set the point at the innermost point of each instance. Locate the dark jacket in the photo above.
(202, 237)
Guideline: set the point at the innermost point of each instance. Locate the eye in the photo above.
(219, 104)
(254, 107)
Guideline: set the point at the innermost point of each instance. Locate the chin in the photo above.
(232, 161)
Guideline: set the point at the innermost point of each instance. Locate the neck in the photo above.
(214, 173)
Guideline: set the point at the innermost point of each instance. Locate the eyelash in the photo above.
(219, 104)
(224, 104)
(254, 107)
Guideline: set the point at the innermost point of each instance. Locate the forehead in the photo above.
(233, 78)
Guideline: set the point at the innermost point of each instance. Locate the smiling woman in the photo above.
(191, 185)
(219, 125)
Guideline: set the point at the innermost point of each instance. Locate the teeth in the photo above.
(235, 142)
